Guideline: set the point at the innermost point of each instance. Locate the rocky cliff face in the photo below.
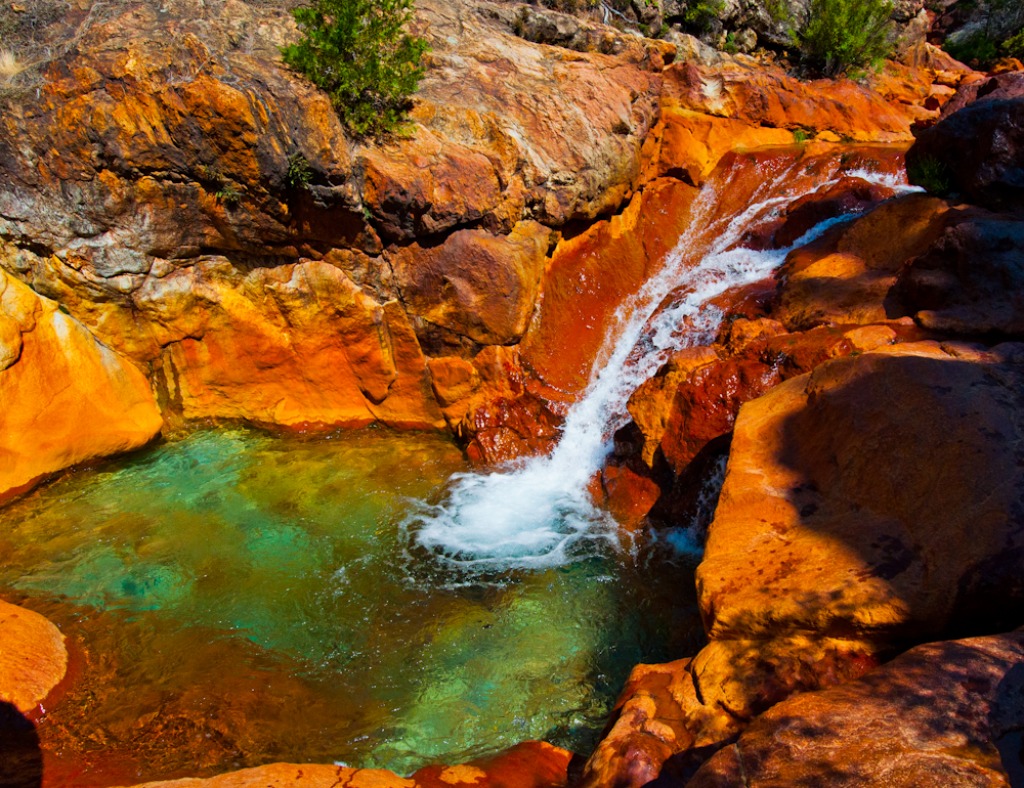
(199, 209)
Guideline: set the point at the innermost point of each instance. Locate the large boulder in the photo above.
(880, 496)
(970, 281)
(66, 397)
(977, 149)
(947, 714)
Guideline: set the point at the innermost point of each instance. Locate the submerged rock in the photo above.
(528, 765)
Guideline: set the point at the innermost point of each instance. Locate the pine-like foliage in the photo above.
(846, 34)
(358, 51)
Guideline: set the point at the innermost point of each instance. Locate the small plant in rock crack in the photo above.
(299, 172)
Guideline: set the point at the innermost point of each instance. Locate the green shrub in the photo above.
(844, 34)
(700, 14)
(299, 172)
(358, 51)
(1014, 45)
(977, 48)
(930, 174)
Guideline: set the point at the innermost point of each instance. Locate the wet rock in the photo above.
(66, 397)
(33, 659)
(825, 525)
(945, 713)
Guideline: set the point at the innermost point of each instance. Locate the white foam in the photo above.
(538, 513)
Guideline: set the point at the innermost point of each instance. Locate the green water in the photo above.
(235, 598)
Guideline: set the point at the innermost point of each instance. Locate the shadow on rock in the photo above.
(21, 759)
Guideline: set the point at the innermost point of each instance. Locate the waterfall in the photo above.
(538, 512)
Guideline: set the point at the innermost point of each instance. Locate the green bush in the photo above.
(700, 14)
(358, 51)
(844, 34)
(1014, 45)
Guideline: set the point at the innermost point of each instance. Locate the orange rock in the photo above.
(299, 346)
(845, 276)
(66, 397)
(825, 524)
(628, 493)
(33, 659)
(876, 730)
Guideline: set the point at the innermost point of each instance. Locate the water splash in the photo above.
(538, 512)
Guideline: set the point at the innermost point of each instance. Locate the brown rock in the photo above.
(66, 397)
(825, 524)
(945, 714)
(970, 280)
(33, 659)
(476, 284)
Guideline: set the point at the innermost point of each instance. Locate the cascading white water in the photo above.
(538, 513)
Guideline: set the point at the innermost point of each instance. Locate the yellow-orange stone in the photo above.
(33, 659)
(64, 397)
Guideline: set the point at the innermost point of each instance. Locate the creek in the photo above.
(235, 598)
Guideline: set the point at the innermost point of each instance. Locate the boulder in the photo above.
(947, 713)
(33, 659)
(978, 146)
(827, 524)
(67, 398)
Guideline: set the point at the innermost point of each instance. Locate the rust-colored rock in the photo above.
(671, 718)
(589, 276)
(33, 659)
(826, 524)
(845, 277)
(527, 765)
(66, 397)
(942, 714)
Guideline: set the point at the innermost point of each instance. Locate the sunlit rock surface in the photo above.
(66, 397)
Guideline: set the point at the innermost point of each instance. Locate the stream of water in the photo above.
(539, 513)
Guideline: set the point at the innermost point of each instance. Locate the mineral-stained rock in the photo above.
(527, 765)
(948, 714)
(66, 398)
(827, 524)
(33, 659)
(670, 718)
